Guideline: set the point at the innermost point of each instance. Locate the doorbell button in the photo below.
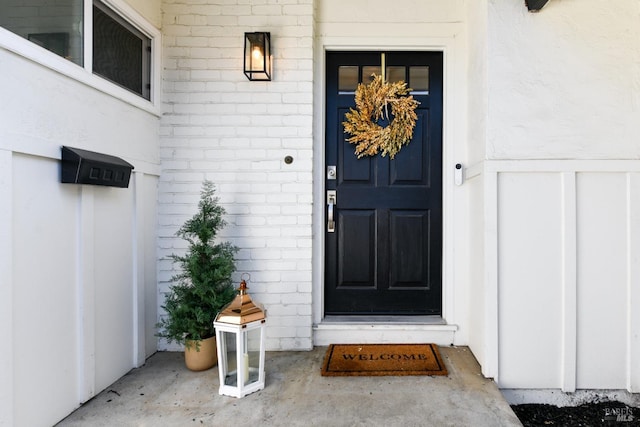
(458, 174)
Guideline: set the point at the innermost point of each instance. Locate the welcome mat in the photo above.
(382, 359)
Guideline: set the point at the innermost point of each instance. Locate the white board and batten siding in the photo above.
(567, 271)
(78, 298)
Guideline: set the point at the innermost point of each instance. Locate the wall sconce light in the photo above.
(257, 56)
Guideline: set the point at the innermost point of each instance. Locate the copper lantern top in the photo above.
(242, 309)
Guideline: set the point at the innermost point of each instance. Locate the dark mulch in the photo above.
(588, 415)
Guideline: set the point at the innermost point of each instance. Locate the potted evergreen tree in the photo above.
(202, 287)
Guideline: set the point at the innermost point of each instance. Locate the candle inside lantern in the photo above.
(245, 372)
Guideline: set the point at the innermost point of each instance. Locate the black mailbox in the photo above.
(87, 167)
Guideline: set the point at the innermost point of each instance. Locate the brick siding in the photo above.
(218, 125)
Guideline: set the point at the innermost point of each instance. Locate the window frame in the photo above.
(84, 74)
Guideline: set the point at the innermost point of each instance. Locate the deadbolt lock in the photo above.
(331, 172)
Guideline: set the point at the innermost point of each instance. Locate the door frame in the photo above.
(450, 41)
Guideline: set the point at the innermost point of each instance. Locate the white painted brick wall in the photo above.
(217, 125)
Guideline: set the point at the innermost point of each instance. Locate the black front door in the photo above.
(384, 253)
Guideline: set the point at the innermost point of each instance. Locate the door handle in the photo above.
(331, 203)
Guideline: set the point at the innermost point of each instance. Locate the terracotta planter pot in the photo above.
(203, 358)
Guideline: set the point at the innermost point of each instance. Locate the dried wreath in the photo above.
(372, 105)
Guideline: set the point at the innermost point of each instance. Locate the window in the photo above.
(416, 77)
(119, 50)
(56, 26)
(121, 53)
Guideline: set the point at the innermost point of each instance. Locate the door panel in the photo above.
(357, 243)
(410, 248)
(385, 254)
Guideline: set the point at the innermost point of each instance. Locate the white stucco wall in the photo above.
(78, 272)
(373, 13)
(150, 9)
(564, 83)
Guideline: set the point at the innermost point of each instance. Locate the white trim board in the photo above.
(445, 37)
(330, 333)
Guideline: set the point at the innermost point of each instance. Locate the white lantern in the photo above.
(240, 328)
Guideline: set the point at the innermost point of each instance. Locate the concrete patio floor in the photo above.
(164, 393)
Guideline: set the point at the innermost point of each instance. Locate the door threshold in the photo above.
(384, 320)
(383, 329)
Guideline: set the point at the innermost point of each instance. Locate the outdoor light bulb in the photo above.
(257, 53)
